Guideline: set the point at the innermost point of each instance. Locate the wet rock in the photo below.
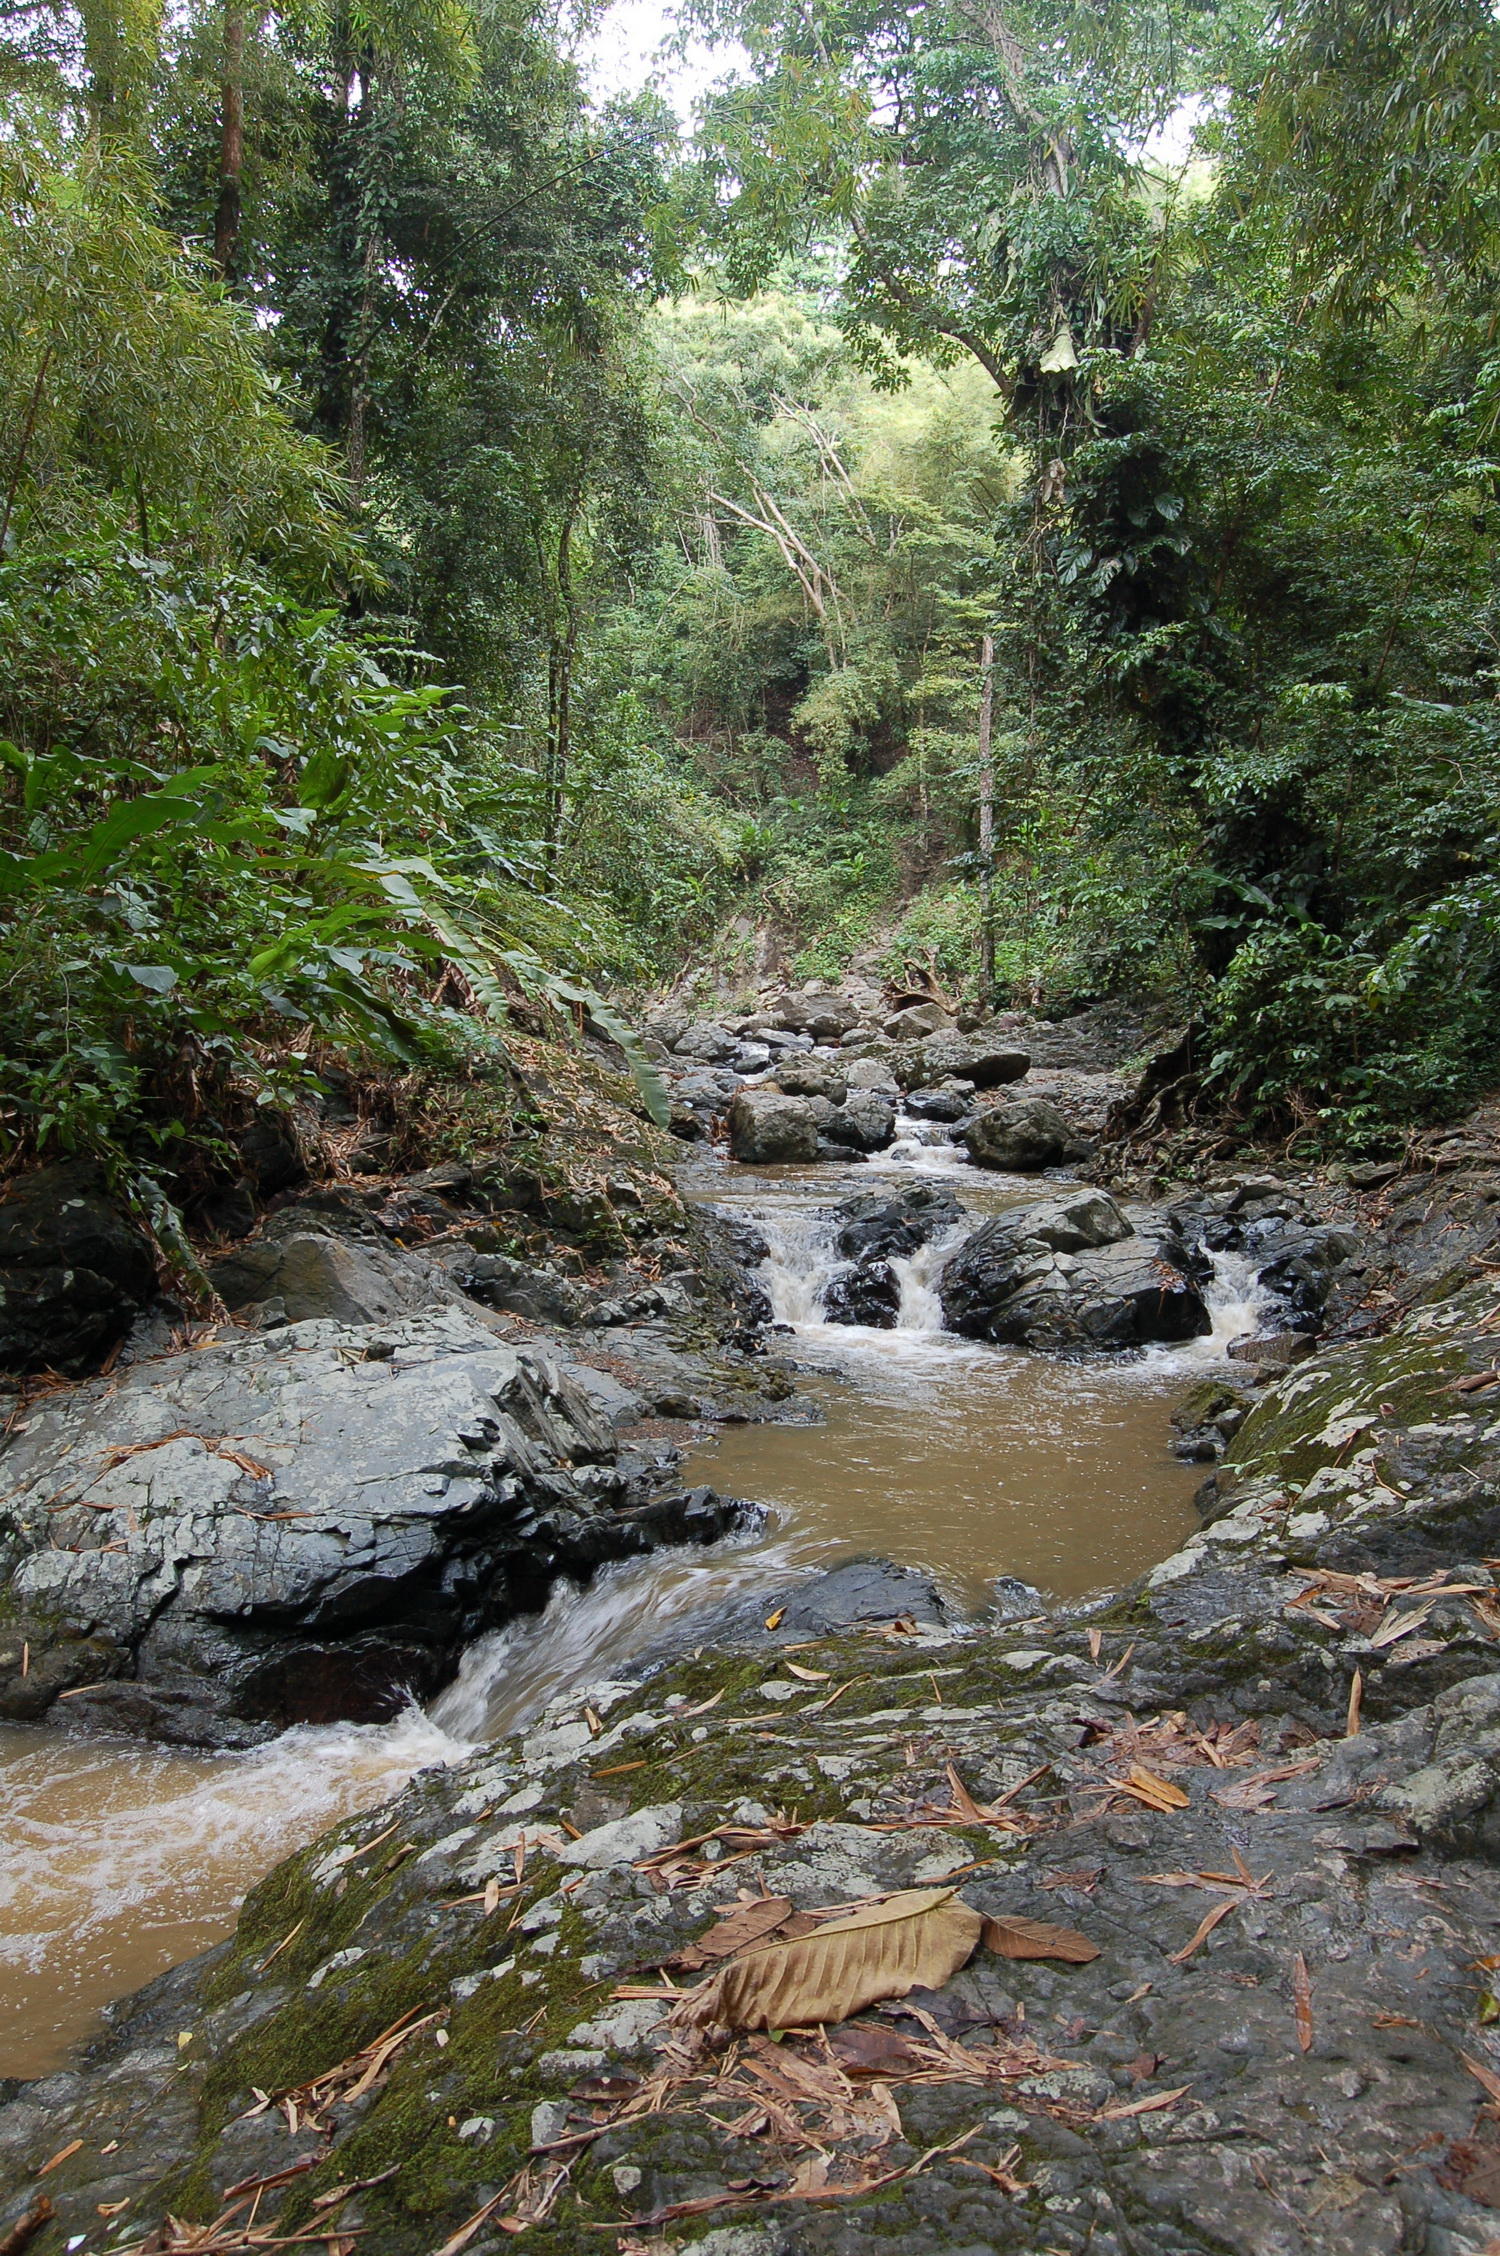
(826, 1018)
(311, 1523)
(751, 1057)
(865, 1122)
(868, 1294)
(1021, 1139)
(886, 1225)
(805, 1076)
(1206, 1420)
(861, 1590)
(1016, 1600)
(951, 1105)
(1068, 1273)
(75, 1270)
(766, 1127)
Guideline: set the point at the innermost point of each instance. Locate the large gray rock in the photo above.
(917, 1020)
(804, 1075)
(864, 1122)
(766, 1127)
(1021, 1139)
(305, 1525)
(709, 1045)
(1066, 1274)
(75, 1271)
(306, 1273)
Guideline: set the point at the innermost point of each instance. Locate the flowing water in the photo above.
(118, 1859)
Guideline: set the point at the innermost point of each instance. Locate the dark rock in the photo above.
(861, 1590)
(868, 1294)
(1021, 1139)
(766, 1127)
(1206, 1420)
(501, 1282)
(1069, 1273)
(805, 1076)
(863, 1123)
(938, 1104)
(75, 1270)
(885, 1225)
(968, 1057)
(309, 1273)
(825, 1018)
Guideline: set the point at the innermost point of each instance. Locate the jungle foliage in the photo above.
(455, 539)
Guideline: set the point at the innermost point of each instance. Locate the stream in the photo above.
(118, 1858)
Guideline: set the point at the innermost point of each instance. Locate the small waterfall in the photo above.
(1237, 1302)
(801, 1262)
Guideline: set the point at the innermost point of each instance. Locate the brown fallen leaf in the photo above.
(1485, 2076)
(1150, 2105)
(774, 1621)
(808, 1676)
(1205, 1928)
(918, 1939)
(60, 2156)
(1302, 2001)
(744, 1925)
(1084, 1877)
(1356, 1698)
(25, 2229)
(1156, 1793)
(1037, 1938)
(1095, 1641)
(868, 2048)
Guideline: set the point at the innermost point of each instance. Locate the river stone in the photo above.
(1068, 1273)
(311, 1523)
(501, 1282)
(864, 1122)
(1021, 1139)
(885, 1225)
(916, 1020)
(967, 1057)
(765, 1127)
(75, 1271)
(867, 1294)
(709, 1045)
(811, 1076)
(950, 1105)
(870, 1073)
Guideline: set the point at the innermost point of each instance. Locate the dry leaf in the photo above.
(1150, 2105)
(746, 1924)
(60, 2156)
(1302, 2001)
(774, 1621)
(1206, 1926)
(1156, 1793)
(1095, 1641)
(1037, 1938)
(918, 1939)
(1356, 1699)
(808, 1676)
(1486, 2076)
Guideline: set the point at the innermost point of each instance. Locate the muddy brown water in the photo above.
(118, 1859)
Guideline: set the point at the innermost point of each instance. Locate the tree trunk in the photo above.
(560, 661)
(987, 821)
(228, 214)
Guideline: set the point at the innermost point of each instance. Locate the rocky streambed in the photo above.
(1234, 1823)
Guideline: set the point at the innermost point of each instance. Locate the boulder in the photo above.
(812, 1076)
(766, 1126)
(1069, 1273)
(709, 1045)
(303, 1272)
(868, 1293)
(500, 1282)
(826, 1018)
(75, 1271)
(870, 1073)
(886, 1225)
(950, 1105)
(306, 1525)
(863, 1123)
(1021, 1139)
(917, 1019)
(962, 1057)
